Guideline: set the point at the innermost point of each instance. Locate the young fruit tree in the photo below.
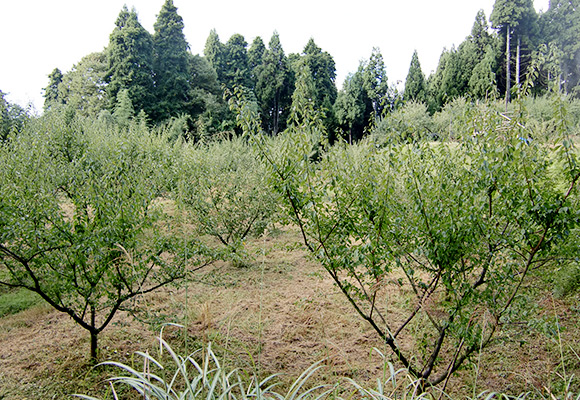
(79, 224)
(448, 232)
(225, 193)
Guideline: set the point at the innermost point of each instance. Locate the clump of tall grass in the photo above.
(201, 375)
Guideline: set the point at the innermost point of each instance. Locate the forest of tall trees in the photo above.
(154, 76)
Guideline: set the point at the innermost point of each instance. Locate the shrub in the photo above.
(407, 124)
(455, 228)
(225, 192)
(79, 222)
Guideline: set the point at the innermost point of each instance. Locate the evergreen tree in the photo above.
(480, 36)
(170, 64)
(255, 57)
(52, 93)
(482, 82)
(237, 72)
(375, 82)
(84, 86)
(458, 67)
(353, 105)
(130, 55)
(561, 25)
(124, 111)
(273, 87)
(323, 70)
(215, 53)
(517, 19)
(415, 85)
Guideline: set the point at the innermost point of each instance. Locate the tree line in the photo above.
(157, 77)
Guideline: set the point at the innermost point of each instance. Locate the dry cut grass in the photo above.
(280, 314)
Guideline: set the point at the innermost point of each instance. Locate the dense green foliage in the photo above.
(170, 65)
(224, 191)
(273, 86)
(457, 227)
(442, 194)
(167, 82)
(12, 118)
(79, 224)
(415, 85)
(130, 55)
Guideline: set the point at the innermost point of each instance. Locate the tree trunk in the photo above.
(276, 113)
(93, 347)
(507, 67)
(94, 334)
(518, 65)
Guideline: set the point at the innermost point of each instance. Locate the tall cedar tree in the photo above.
(480, 36)
(130, 54)
(561, 25)
(273, 87)
(323, 69)
(255, 57)
(353, 105)
(482, 82)
(215, 53)
(516, 21)
(237, 72)
(170, 63)
(52, 94)
(415, 85)
(375, 82)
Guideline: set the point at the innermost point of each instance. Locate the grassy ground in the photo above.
(279, 314)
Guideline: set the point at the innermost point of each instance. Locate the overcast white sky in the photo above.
(38, 35)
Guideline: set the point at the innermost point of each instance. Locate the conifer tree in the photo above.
(130, 55)
(482, 82)
(353, 105)
(170, 64)
(415, 85)
(273, 86)
(480, 36)
(323, 70)
(237, 72)
(561, 25)
(52, 93)
(375, 81)
(515, 18)
(255, 56)
(215, 53)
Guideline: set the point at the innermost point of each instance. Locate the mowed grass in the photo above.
(279, 314)
(13, 301)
